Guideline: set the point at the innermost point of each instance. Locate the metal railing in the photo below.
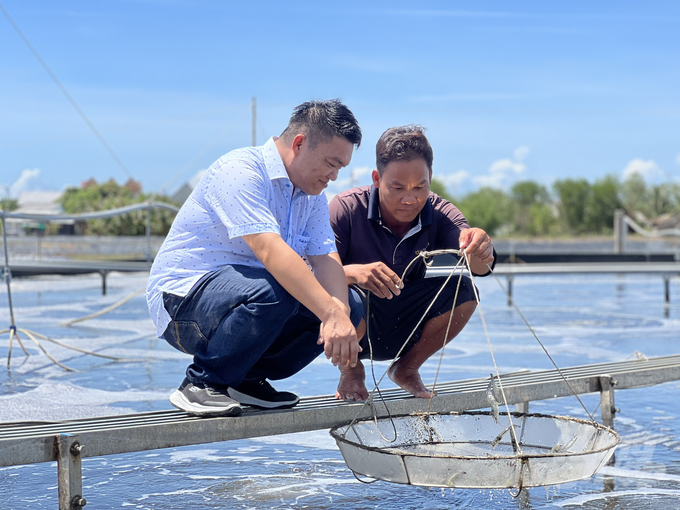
(621, 223)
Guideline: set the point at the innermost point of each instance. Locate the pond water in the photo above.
(580, 319)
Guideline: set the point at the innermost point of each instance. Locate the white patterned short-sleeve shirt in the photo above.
(247, 191)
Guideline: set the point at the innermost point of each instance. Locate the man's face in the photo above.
(404, 189)
(312, 169)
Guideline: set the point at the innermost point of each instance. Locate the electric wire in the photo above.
(66, 94)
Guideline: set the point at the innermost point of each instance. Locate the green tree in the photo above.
(652, 201)
(531, 212)
(602, 201)
(634, 195)
(92, 196)
(487, 209)
(543, 221)
(573, 195)
(438, 187)
(9, 204)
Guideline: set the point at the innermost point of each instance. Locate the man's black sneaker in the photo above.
(204, 401)
(261, 394)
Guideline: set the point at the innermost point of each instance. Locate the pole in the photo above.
(254, 127)
(620, 231)
(69, 472)
(148, 235)
(7, 273)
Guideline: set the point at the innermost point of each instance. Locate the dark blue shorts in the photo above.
(392, 320)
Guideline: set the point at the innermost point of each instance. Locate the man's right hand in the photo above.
(376, 277)
(339, 338)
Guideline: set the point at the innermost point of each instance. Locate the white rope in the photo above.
(422, 255)
(493, 357)
(107, 309)
(650, 233)
(543, 347)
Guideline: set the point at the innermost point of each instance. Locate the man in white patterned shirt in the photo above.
(229, 284)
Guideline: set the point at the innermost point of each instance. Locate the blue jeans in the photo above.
(240, 324)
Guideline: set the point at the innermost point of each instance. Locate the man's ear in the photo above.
(375, 176)
(297, 144)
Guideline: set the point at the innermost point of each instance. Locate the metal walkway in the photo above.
(104, 267)
(68, 441)
(69, 267)
(665, 269)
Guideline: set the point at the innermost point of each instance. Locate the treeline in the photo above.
(569, 207)
(92, 196)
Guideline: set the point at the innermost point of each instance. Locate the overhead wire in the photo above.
(66, 94)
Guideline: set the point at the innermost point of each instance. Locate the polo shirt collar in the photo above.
(374, 205)
(374, 208)
(272, 161)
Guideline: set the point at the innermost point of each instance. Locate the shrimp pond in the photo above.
(581, 320)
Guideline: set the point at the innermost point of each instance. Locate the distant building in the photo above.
(39, 202)
(180, 196)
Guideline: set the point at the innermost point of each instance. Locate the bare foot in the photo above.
(352, 385)
(409, 380)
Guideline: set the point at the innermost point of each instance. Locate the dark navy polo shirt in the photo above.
(361, 236)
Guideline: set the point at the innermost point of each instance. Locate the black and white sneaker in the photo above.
(204, 400)
(261, 394)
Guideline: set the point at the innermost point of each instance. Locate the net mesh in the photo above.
(472, 450)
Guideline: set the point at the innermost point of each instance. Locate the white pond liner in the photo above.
(462, 450)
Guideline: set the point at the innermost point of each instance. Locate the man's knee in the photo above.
(465, 310)
(356, 307)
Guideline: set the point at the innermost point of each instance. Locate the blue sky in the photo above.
(507, 90)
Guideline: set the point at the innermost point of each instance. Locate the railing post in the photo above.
(70, 475)
(607, 400)
(509, 277)
(609, 410)
(104, 274)
(148, 234)
(620, 231)
(522, 407)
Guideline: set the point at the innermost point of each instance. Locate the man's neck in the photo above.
(398, 228)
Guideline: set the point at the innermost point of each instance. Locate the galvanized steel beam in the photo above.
(28, 444)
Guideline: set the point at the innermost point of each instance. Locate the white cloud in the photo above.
(454, 179)
(21, 183)
(359, 171)
(521, 152)
(647, 169)
(503, 170)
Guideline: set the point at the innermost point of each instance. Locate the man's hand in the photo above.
(339, 338)
(324, 294)
(376, 277)
(476, 243)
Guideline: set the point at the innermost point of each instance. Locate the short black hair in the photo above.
(320, 121)
(402, 143)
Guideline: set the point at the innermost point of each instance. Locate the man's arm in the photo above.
(323, 295)
(375, 277)
(329, 272)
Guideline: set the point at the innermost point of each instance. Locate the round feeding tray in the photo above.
(470, 450)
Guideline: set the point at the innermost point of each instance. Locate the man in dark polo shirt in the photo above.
(379, 229)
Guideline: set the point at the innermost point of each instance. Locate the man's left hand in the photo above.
(476, 243)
